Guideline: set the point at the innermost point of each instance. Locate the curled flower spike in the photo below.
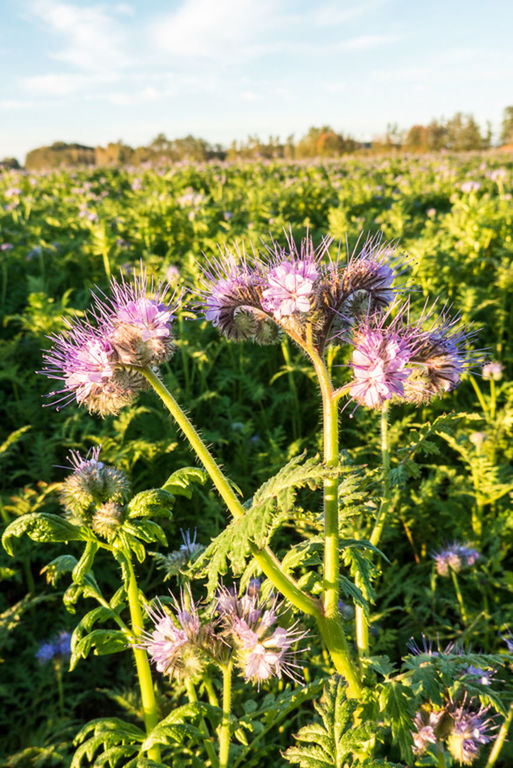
(263, 648)
(92, 483)
(455, 557)
(98, 358)
(136, 325)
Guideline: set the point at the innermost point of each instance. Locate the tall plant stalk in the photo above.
(329, 623)
(149, 704)
(224, 730)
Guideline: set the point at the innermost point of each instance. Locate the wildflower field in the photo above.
(256, 502)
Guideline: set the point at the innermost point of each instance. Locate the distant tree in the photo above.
(506, 136)
(9, 164)
(463, 133)
(113, 154)
(436, 136)
(416, 139)
(59, 155)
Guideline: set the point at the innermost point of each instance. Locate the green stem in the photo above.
(501, 738)
(330, 624)
(459, 596)
(267, 561)
(149, 704)
(224, 730)
(60, 688)
(211, 692)
(493, 399)
(441, 756)
(207, 740)
(479, 395)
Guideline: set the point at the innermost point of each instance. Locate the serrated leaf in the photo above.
(42, 526)
(101, 641)
(271, 506)
(336, 741)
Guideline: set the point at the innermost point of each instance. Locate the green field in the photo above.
(65, 233)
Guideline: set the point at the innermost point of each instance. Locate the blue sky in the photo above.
(95, 72)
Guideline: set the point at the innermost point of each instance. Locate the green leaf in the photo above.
(156, 502)
(272, 504)
(395, 703)
(42, 526)
(335, 741)
(85, 563)
(13, 438)
(59, 566)
(101, 641)
(180, 481)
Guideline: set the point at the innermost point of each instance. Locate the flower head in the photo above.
(92, 483)
(263, 648)
(379, 362)
(136, 325)
(470, 729)
(289, 279)
(427, 725)
(455, 557)
(57, 648)
(175, 561)
(179, 642)
(492, 371)
(84, 359)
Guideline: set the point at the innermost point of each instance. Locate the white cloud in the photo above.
(220, 30)
(366, 42)
(65, 84)
(92, 40)
(333, 14)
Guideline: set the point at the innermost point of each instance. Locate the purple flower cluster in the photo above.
(245, 628)
(58, 648)
(296, 287)
(455, 557)
(463, 727)
(317, 299)
(98, 358)
(492, 371)
(263, 648)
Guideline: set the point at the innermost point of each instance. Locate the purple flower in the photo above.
(290, 288)
(470, 186)
(426, 724)
(492, 371)
(263, 648)
(179, 643)
(230, 295)
(439, 356)
(428, 648)
(470, 730)
(138, 327)
(379, 363)
(6, 246)
(484, 676)
(508, 639)
(84, 360)
(57, 648)
(455, 557)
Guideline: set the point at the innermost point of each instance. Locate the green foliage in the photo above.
(335, 741)
(272, 504)
(42, 526)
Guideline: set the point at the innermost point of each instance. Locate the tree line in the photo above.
(458, 133)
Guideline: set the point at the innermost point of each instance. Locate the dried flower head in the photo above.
(263, 648)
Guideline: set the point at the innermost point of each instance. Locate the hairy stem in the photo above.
(479, 394)
(267, 561)
(149, 704)
(224, 730)
(330, 625)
